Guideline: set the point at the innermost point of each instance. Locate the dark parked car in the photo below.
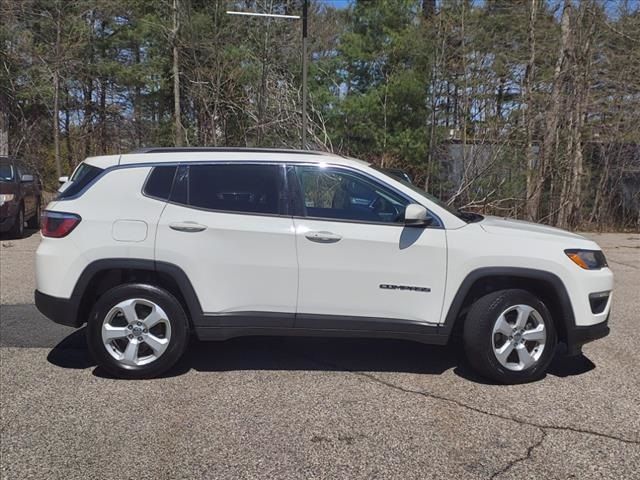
(20, 196)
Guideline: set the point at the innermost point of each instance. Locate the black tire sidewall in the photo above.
(479, 336)
(34, 222)
(17, 230)
(177, 319)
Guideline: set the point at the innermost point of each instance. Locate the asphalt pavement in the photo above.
(313, 408)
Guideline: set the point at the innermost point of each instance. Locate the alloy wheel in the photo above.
(519, 337)
(136, 332)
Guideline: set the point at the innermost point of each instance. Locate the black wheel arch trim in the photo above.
(567, 320)
(91, 270)
(66, 311)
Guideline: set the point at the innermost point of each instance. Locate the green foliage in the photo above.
(389, 80)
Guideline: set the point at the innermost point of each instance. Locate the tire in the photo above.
(17, 229)
(497, 351)
(34, 222)
(121, 331)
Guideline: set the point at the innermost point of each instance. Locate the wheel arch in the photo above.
(101, 275)
(545, 285)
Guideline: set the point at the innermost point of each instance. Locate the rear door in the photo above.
(360, 267)
(226, 226)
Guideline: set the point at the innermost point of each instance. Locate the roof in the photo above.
(227, 150)
(227, 154)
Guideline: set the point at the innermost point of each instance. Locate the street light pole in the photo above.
(305, 9)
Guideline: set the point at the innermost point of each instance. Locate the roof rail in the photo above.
(225, 149)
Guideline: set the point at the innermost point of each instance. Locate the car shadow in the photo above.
(310, 354)
(28, 232)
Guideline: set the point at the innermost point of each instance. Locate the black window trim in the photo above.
(439, 224)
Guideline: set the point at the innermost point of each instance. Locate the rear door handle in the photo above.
(323, 237)
(189, 227)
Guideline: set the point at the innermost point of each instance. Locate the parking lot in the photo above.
(314, 408)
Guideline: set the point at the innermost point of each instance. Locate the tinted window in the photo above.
(233, 188)
(159, 182)
(343, 195)
(82, 176)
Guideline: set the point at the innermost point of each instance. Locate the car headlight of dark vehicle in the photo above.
(6, 198)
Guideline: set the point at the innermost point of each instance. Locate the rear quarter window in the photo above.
(82, 176)
(159, 182)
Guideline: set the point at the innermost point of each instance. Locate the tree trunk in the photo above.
(103, 116)
(56, 121)
(549, 143)
(571, 209)
(4, 125)
(177, 111)
(137, 101)
(56, 97)
(67, 128)
(529, 121)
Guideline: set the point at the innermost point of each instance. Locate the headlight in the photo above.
(587, 259)
(6, 197)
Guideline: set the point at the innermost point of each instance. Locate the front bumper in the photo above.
(8, 213)
(61, 310)
(6, 223)
(578, 336)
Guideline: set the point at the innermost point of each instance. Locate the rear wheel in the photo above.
(509, 336)
(137, 331)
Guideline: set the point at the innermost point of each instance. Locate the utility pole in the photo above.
(305, 10)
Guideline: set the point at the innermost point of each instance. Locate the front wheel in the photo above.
(137, 331)
(34, 222)
(509, 336)
(17, 230)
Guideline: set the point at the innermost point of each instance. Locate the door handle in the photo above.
(323, 237)
(189, 227)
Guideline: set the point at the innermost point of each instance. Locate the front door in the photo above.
(357, 260)
(225, 227)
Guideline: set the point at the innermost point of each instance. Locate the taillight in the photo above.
(58, 224)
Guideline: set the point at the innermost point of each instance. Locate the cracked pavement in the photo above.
(314, 408)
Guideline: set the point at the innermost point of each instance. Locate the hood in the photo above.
(507, 226)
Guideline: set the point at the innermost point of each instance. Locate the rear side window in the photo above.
(159, 182)
(231, 188)
(82, 176)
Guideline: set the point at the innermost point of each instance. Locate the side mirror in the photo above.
(26, 178)
(415, 215)
(63, 180)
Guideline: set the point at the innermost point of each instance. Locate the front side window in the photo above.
(240, 188)
(334, 193)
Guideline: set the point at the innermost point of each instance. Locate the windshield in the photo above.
(464, 216)
(6, 171)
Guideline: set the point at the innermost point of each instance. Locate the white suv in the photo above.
(151, 246)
